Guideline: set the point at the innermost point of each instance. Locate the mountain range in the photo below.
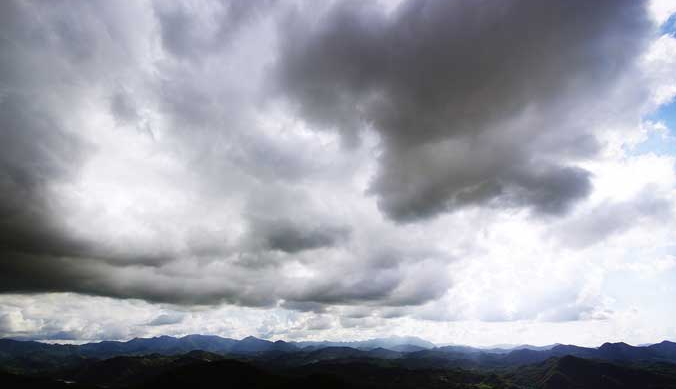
(386, 362)
(168, 345)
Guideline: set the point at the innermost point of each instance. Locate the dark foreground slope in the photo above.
(363, 374)
(237, 374)
(129, 371)
(572, 373)
(15, 381)
(204, 370)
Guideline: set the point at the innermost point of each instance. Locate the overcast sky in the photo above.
(466, 171)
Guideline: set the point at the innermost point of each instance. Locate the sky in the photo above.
(467, 171)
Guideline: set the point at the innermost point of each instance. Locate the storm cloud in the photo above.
(476, 103)
(359, 160)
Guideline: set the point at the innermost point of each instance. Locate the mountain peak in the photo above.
(609, 345)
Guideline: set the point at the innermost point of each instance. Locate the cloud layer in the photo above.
(347, 164)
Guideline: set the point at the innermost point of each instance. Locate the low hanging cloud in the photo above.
(610, 219)
(475, 103)
(223, 152)
(167, 319)
(289, 237)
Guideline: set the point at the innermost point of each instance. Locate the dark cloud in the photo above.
(123, 108)
(291, 237)
(549, 189)
(304, 306)
(48, 53)
(408, 283)
(167, 319)
(36, 154)
(189, 35)
(612, 218)
(34, 151)
(465, 95)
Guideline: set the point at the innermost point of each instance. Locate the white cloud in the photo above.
(662, 10)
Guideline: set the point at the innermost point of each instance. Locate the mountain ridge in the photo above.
(389, 348)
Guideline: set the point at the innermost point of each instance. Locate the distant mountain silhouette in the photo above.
(406, 348)
(506, 348)
(36, 356)
(167, 345)
(164, 345)
(665, 351)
